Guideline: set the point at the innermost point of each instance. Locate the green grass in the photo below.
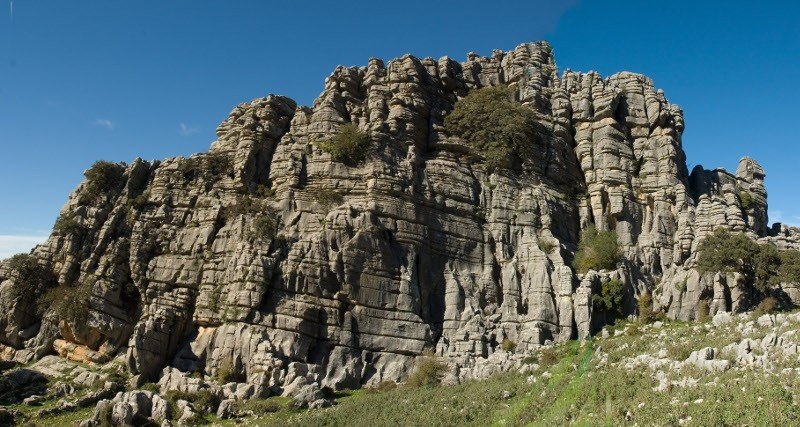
(585, 385)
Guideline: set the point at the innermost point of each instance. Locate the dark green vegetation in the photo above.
(597, 250)
(349, 145)
(546, 246)
(502, 131)
(101, 178)
(609, 300)
(644, 306)
(211, 167)
(729, 252)
(31, 280)
(327, 199)
(428, 372)
(66, 225)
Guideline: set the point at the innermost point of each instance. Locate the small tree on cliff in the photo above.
(503, 131)
(597, 250)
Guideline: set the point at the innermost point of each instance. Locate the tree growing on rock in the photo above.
(502, 131)
(597, 250)
(101, 178)
(350, 145)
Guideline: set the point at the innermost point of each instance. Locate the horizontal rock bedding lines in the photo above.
(419, 249)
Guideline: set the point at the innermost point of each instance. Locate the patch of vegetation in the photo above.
(428, 372)
(141, 201)
(501, 130)
(245, 205)
(226, 373)
(101, 178)
(645, 307)
(597, 250)
(260, 406)
(747, 200)
(349, 145)
(327, 199)
(31, 280)
(69, 303)
(610, 298)
(67, 225)
(265, 226)
(703, 311)
(546, 246)
(766, 306)
(383, 386)
(203, 400)
(508, 345)
(682, 285)
(264, 191)
(728, 252)
(218, 165)
(211, 166)
(789, 270)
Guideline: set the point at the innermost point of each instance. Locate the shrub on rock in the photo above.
(502, 131)
(349, 145)
(597, 250)
(610, 298)
(101, 178)
(429, 372)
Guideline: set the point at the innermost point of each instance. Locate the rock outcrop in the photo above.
(417, 249)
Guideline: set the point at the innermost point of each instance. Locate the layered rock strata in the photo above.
(417, 249)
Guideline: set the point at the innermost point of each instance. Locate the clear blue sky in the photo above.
(87, 80)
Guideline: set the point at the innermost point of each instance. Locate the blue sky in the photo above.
(116, 80)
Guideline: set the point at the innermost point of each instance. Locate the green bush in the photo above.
(645, 307)
(31, 280)
(69, 303)
(217, 165)
(244, 205)
(546, 246)
(264, 191)
(141, 201)
(597, 250)
(349, 145)
(727, 252)
(327, 199)
(429, 372)
(703, 311)
(766, 306)
(212, 166)
(503, 131)
(789, 271)
(226, 373)
(101, 178)
(746, 198)
(610, 298)
(66, 225)
(683, 285)
(203, 400)
(265, 226)
(260, 406)
(508, 345)
(383, 386)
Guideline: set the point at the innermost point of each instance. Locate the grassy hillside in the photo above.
(602, 383)
(636, 375)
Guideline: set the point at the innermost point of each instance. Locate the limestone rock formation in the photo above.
(363, 267)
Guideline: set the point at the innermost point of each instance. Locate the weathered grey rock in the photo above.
(226, 409)
(419, 249)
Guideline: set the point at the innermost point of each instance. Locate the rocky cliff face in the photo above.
(417, 249)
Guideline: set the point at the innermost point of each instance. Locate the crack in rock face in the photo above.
(270, 266)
